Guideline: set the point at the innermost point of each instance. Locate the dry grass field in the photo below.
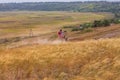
(28, 59)
(85, 60)
(19, 23)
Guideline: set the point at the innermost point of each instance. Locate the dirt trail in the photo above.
(34, 41)
(31, 41)
(104, 32)
(112, 34)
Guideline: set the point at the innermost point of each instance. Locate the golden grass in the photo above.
(86, 60)
(19, 23)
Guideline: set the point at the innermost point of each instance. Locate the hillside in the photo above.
(19, 23)
(30, 48)
(93, 6)
(86, 60)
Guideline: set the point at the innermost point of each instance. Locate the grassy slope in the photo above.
(19, 23)
(86, 60)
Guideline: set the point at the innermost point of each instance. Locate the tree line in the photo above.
(92, 6)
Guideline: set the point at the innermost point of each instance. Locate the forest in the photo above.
(92, 6)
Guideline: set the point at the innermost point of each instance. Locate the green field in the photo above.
(19, 23)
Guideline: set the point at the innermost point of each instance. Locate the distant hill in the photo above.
(101, 6)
